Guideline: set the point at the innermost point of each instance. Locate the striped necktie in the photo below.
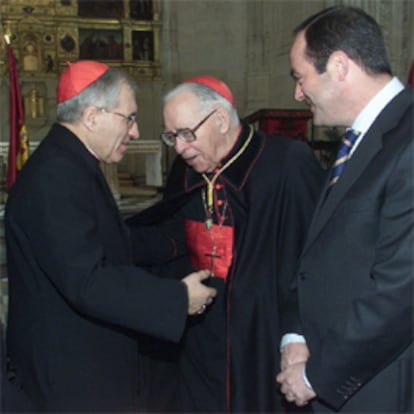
(342, 157)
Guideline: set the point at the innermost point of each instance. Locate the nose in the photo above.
(134, 130)
(180, 145)
(299, 95)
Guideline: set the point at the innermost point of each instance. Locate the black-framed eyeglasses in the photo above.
(129, 118)
(185, 134)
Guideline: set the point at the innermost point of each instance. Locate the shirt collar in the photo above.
(374, 107)
(367, 116)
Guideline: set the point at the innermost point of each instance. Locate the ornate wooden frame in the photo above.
(45, 36)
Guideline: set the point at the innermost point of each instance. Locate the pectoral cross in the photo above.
(212, 256)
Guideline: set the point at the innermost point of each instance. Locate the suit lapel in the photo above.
(368, 148)
(370, 145)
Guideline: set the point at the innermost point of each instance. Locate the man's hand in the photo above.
(199, 295)
(292, 353)
(293, 384)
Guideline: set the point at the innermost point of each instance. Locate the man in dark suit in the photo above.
(349, 345)
(77, 302)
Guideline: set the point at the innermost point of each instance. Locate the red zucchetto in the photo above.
(213, 83)
(77, 77)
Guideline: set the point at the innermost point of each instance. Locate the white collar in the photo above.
(374, 107)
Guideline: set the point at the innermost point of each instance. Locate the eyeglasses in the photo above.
(129, 118)
(185, 134)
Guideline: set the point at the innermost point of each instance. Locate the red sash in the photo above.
(200, 245)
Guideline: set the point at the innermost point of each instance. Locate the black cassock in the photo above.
(263, 202)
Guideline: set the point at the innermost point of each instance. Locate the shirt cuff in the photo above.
(291, 338)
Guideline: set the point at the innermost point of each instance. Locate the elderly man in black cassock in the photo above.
(241, 202)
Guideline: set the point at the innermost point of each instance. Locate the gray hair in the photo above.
(103, 93)
(207, 98)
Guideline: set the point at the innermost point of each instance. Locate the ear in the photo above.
(89, 117)
(223, 119)
(338, 65)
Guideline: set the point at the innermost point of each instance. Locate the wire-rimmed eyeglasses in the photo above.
(185, 134)
(129, 118)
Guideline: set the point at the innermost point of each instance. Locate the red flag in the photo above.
(18, 142)
(411, 75)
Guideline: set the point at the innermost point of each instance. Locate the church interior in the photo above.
(160, 43)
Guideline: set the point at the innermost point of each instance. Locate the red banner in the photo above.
(18, 143)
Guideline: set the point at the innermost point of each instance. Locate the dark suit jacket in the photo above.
(355, 279)
(76, 300)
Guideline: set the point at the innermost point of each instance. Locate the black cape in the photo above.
(229, 356)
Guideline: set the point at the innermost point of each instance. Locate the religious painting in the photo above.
(140, 9)
(100, 44)
(291, 123)
(108, 9)
(143, 45)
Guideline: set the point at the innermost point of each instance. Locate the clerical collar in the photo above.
(245, 134)
(93, 153)
(210, 182)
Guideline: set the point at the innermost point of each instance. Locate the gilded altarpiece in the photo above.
(46, 34)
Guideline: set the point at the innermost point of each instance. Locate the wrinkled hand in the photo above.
(292, 353)
(199, 295)
(293, 385)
